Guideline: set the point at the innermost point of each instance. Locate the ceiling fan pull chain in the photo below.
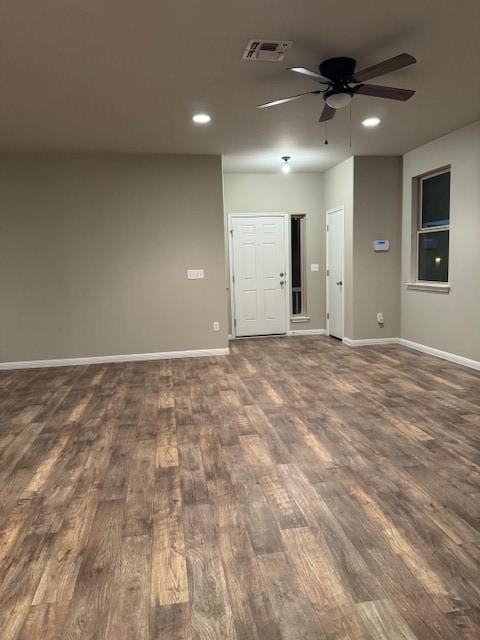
(350, 112)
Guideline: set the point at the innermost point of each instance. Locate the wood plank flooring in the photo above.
(297, 489)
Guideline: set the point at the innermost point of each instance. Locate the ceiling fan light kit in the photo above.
(342, 83)
(285, 165)
(338, 99)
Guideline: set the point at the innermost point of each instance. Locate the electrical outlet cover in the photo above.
(195, 274)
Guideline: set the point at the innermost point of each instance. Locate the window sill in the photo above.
(428, 286)
(300, 319)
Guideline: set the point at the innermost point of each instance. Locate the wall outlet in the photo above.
(380, 318)
(195, 274)
(216, 326)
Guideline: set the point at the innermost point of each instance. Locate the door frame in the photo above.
(286, 234)
(330, 211)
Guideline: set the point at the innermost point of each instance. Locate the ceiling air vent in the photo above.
(267, 50)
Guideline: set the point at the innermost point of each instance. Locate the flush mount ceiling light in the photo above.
(338, 99)
(201, 118)
(285, 165)
(371, 122)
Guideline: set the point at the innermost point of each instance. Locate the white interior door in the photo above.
(259, 270)
(335, 272)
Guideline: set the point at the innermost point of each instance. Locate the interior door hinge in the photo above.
(328, 272)
(234, 322)
(328, 316)
(327, 227)
(231, 231)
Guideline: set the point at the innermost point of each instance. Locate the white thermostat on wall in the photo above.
(381, 245)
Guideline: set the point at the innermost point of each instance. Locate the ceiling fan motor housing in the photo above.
(338, 70)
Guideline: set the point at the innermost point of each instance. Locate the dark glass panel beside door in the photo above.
(433, 256)
(296, 240)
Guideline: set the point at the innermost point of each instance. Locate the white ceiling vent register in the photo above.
(267, 50)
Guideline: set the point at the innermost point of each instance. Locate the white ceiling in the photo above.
(117, 75)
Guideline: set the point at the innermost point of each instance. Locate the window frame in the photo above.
(421, 230)
(303, 271)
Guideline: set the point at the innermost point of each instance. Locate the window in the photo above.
(433, 228)
(297, 239)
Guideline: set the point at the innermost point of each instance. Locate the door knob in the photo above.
(282, 283)
(340, 282)
(281, 275)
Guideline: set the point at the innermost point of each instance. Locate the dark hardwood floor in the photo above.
(297, 489)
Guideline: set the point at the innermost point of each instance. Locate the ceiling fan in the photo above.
(342, 82)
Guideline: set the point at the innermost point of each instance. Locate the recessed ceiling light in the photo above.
(201, 118)
(371, 122)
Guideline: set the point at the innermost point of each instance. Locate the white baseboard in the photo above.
(197, 353)
(130, 357)
(307, 332)
(369, 342)
(438, 353)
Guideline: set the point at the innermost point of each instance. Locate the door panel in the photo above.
(270, 304)
(335, 272)
(269, 261)
(258, 259)
(249, 259)
(250, 301)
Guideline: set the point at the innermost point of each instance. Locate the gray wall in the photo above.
(338, 191)
(450, 322)
(94, 251)
(294, 194)
(369, 189)
(377, 203)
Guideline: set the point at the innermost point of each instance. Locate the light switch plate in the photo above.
(195, 274)
(314, 267)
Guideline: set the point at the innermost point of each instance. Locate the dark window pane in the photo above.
(436, 200)
(296, 302)
(433, 256)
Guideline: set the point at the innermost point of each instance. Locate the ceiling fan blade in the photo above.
(387, 66)
(273, 103)
(327, 114)
(392, 93)
(311, 74)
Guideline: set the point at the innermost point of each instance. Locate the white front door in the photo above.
(335, 272)
(259, 274)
